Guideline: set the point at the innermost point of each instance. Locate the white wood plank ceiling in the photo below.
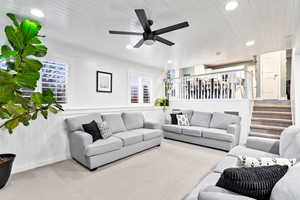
(273, 24)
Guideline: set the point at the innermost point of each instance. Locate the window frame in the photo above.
(140, 76)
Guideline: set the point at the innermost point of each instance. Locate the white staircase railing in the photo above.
(234, 84)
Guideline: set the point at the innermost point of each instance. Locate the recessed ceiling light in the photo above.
(129, 46)
(170, 61)
(231, 5)
(37, 12)
(250, 43)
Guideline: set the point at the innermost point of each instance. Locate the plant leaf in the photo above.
(35, 40)
(30, 29)
(52, 109)
(27, 79)
(13, 18)
(45, 114)
(41, 50)
(32, 64)
(34, 116)
(14, 38)
(36, 97)
(11, 124)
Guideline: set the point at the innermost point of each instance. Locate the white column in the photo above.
(295, 88)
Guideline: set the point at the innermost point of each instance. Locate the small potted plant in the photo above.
(22, 71)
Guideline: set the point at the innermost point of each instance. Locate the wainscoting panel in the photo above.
(46, 141)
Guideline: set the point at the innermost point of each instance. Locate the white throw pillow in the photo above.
(183, 120)
(246, 161)
(104, 129)
(287, 188)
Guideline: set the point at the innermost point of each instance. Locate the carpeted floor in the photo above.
(168, 172)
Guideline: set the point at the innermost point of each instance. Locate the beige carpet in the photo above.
(168, 172)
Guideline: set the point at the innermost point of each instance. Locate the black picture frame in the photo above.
(98, 82)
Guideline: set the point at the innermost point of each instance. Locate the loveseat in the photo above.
(131, 134)
(287, 188)
(217, 130)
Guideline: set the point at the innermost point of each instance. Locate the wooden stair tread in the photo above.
(271, 106)
(264, 135)
(272, 120)
(272, 112)
(277, 128)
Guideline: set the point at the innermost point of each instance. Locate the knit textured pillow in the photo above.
(256, 182)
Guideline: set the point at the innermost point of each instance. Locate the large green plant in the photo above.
(23, 71)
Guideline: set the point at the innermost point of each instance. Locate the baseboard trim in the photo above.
(39, 164)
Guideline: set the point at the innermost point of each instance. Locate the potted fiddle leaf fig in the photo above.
(22, 71)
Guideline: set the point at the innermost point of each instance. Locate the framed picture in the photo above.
(104, 82)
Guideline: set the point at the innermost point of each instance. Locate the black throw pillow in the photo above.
(93, 130)
(174, 118)
(255, 182)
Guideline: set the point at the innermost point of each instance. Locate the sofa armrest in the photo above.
(234, 129)
(81, 138)
(152, 125)
(263, 144)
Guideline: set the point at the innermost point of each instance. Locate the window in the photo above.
(53, 76)
(140, 89)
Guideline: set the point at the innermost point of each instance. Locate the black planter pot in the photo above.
(5, 168)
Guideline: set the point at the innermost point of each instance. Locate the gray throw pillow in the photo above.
(201, 119)
(105, 130)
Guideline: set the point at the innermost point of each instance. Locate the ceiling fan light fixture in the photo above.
(231, 5)
(149, 42)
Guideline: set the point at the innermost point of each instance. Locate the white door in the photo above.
(270, 77)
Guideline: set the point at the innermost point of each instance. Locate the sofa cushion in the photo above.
(287, 187)
(222, 121)
(228, 161)
(201, 119)
(115, 122)
(218, 193)
(172, 128)
(242, 150)
(192, 131)
(217, 134)
(148, 134)
(129, 137)
(289, 146)
(104, 146)
(133, 120)
(75, 123)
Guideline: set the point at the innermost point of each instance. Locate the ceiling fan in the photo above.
(149, 36)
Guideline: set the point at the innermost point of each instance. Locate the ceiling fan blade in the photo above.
(171, 28)
(163, 40)
(141, 14)
(124, 33)
(139, 44)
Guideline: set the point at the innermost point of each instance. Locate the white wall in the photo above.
(83, 65)
(46, 141)
(241, 106)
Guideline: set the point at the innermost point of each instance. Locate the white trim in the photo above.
(34, 165)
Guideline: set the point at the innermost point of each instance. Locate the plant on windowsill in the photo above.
(22, 72)
(163, 103)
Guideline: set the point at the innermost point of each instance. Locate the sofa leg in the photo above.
(94, 169)
(158, 145)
